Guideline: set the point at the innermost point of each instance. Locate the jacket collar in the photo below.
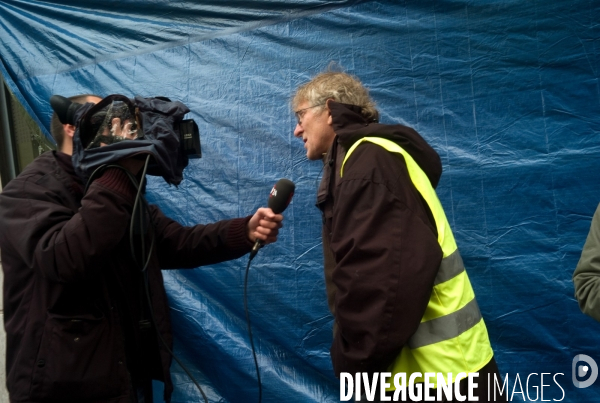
(350, 126)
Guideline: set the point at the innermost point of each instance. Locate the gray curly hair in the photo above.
(341, 87)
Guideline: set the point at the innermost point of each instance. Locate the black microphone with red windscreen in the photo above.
(279, 198)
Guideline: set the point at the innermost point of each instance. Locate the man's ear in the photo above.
(69, 130)
(329, 117)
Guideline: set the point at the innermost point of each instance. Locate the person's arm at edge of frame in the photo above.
(586, 277)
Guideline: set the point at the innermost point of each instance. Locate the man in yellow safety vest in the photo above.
(396, 283)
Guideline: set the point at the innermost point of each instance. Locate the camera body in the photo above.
(189, 138)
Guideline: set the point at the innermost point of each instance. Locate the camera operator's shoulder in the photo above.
(44, 172)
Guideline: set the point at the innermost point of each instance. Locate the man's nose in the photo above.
(298, 130)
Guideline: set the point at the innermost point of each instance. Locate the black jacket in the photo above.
(380, 241)
(73, 295)
(380, 246)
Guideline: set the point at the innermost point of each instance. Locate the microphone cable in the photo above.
(279, 198)
(139, 207)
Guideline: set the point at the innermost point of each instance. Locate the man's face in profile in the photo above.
(314, 128)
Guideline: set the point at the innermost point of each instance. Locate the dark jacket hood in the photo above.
(350, 126)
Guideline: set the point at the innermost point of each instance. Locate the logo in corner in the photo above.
(582, 371)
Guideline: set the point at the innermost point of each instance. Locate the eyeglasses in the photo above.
(300, 113)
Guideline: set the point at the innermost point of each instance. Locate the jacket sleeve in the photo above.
(188, 247)
(63, 244)
(586, 277)
(387, 257)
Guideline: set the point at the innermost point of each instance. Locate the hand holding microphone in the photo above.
(264, 225)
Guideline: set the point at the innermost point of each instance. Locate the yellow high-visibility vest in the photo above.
(452, 336)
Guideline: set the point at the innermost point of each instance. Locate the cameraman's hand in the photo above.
(122, 131)
(264, 225)
(132, 164)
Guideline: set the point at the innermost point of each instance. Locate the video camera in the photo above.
(118, 127)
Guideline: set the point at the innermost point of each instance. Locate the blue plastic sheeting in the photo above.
(506, 91)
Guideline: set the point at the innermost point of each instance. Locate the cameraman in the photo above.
(78, 323)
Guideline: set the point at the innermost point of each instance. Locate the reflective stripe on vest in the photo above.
(452, 336)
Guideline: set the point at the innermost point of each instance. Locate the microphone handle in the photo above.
(257, 245)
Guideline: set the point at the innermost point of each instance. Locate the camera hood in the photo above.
(155, 120)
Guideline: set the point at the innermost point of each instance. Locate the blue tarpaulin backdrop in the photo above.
(506, 91)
